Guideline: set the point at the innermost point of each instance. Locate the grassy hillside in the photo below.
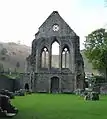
(15, 53)
(18, 53)
(88, 66)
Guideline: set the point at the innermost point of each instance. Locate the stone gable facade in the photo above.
(41, 75)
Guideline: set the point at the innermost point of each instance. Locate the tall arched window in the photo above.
(55, 55)
(65, 58)
(44, 58)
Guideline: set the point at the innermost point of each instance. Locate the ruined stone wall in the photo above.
(6, 83)
(71, 78)
(25, 78)
(43, 82)
(10, 84)
(67, 83)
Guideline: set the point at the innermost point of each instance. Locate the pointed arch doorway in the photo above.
(26, 86)
(54, 85)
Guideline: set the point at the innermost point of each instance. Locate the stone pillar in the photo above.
(45, 59)
(49, 85)
(60, 85)
(50, 57)
(75, 82)
(72, 60)
(60, 58)
(33, 81)
(75, 76)
(37, 60)
(30, 80)
(65, 59)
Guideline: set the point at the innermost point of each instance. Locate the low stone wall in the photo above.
(6, 83)
(9, 84)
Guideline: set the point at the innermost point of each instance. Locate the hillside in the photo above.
(12, 56)
(88, 66)
(15, 53)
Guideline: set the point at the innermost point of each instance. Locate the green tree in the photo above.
(96, 50)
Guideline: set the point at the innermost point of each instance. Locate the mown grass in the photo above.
(59, 106)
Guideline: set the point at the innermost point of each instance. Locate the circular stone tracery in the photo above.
(55, 27)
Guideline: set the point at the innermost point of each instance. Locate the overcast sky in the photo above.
(20, 19)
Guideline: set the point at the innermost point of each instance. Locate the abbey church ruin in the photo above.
(65, 73)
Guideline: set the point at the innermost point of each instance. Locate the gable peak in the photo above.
(55, 12)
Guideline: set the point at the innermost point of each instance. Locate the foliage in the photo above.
(13, 76)
(96, 49)
(99, 79)
(4, 51)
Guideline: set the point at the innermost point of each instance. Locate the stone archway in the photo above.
(54, 85)
(26, 86)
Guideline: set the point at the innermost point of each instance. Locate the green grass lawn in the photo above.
(59, 106)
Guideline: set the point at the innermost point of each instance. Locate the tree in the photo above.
(17, 64)
(4, 51)
(96, 49)
(1, 68)
(105, 3)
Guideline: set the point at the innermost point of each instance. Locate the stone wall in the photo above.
(9, 84)
(25, 78)
(43, 82)
(68, 79)
(6, 83)
(67, 83)
(17, 85)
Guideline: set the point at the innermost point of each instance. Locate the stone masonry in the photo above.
(69, 75)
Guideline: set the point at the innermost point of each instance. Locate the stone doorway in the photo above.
(26, 86)
(54, 85)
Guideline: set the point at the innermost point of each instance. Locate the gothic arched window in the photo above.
(65, 58)
(44, 58)
(55, 54)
